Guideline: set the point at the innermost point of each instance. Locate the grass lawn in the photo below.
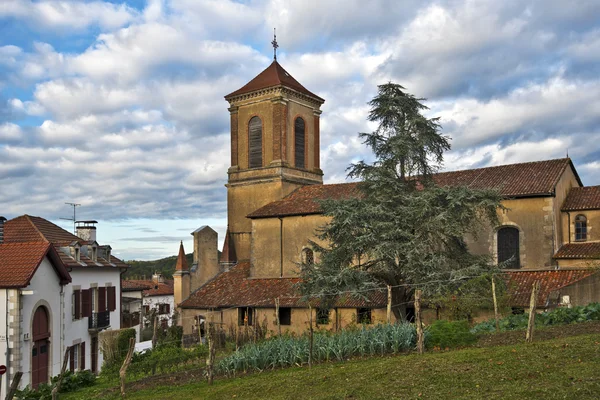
(563, 368)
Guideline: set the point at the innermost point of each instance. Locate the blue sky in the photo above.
(119, 105)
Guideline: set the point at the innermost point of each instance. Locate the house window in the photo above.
(255, 142)
(164, 308)
(77, 256)
(308, 256)
(299, 142)
(322, 316)
(580, 228)
(75, 354)
(146, 309)
(285, 316)
(363, 316)
(245, 316)
(94, 253)
(76, 306)
(508, 247)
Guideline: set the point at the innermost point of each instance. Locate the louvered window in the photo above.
(508, 247)
(299, 134)
(255, 142)
(580, 228)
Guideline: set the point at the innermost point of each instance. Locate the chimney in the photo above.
(2, 221)
(86, 230)
(158, 278)
(206, 259)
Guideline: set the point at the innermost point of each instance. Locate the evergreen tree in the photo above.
(402, 230)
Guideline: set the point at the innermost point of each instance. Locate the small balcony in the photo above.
(99, 321)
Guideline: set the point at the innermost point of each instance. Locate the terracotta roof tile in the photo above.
(582, 198)
(19, 261)
(27, 228)
(520, 284)
(130, 285)
(590, 250)
(513, 180)
(233, 288)
(273, 75)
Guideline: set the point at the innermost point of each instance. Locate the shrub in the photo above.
(71, 382)
(445, 334)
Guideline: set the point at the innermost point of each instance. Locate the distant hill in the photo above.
(166, 266)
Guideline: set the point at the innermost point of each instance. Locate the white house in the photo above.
(158, 296)
(68, 315)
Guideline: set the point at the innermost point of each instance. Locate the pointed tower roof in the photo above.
(228, 253)
(273, 75)
(182, 264)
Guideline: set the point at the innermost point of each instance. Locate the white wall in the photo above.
(153, 301)
(46, 288)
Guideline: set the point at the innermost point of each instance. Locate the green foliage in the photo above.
(164, 266)
(114, 358)
(71, 382)
(401, 230)
(285, 351)
(558, 316)
(450, 334)
(123, 342)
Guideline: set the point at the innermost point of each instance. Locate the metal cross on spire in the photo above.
(275, 45)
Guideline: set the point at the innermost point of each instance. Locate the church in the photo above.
(550, 228)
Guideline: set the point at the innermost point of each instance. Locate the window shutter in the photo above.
(299, 137)
(168, 308)
(82, 351)
(72, 358)
(112, 298)
(77, 300)
(255, 142)
(101, 299)
(86, 302)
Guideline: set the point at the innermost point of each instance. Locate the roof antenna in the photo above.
(275, 45)
(567, 152)
(74, 205)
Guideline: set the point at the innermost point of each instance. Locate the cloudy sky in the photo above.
(119, 106)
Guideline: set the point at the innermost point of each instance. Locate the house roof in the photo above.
(153, 289)
(520, 284)
(182, 264)
(129, 285)
(590, 250)
(582, 198)
(20, 261)
(273, 75)
(234, 288)
(514, 180)
(28, 228)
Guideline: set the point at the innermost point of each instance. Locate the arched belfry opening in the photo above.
(275, 140)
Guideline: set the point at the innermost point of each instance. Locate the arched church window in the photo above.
(299, 134)
(508, 247)
(308, 257)
(580, 227)
(255, 142)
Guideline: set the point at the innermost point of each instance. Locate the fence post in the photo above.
(495, 305)
(532, 307)
(123, 371)
(310, 336)
(420, 338)
(277, 315)
(211, 352)
(62, 374)
(14, 385)
(389, 305)
(154, 339)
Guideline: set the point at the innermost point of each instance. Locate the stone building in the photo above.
(275, 182)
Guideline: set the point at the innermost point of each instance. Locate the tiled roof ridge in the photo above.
(74, 237)
(504, 165)
(35, 228)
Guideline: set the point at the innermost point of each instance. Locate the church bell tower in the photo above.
(274, 147)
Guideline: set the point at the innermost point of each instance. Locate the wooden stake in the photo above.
(532, 307)
(277, 315)
(62, 373)
(154, 338)
(14, 385)
(389, 305)
(310, 333)
(123, 370)
(211, 352)
(420, 336)
(495, 305)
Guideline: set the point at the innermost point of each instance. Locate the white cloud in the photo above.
(10, 131)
